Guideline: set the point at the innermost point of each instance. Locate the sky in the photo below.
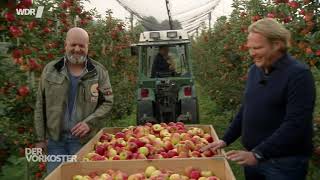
(180, 9)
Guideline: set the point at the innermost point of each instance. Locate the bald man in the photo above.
(73, 97)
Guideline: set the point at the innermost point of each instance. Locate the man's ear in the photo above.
(277, 45)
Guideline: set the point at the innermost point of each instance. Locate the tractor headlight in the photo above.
(172, 34)
(155, 35)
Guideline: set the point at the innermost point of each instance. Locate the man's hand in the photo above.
(42, 145)
(214, 146)
(242, 157)
(80, 129)
(171, 62)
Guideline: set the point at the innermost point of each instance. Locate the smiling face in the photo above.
(263, 52)
(76, 46)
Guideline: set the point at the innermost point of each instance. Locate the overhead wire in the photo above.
(187, 23)
(191, 9)
(204, 11)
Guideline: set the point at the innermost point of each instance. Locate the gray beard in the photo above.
(74, 60)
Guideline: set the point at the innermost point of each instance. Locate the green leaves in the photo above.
(15, 168)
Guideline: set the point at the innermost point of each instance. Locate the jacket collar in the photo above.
(279, 64)
(62, 62)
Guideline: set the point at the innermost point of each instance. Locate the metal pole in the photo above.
(209, 15)
(197, 31)
(169, 14)
(131, 21)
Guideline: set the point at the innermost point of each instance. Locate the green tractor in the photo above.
(165, 96)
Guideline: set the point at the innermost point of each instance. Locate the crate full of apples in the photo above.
(151, 173)
(216, 168)
(149, 141)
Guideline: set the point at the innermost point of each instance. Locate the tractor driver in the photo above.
(163, 63)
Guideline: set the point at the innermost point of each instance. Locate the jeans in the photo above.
(285, 168)
(67, 145)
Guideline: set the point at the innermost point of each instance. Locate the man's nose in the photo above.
(77, 48)
(252, 52)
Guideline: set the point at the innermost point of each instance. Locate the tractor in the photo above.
(169, 96)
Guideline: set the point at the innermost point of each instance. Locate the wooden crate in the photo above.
(218, 165)
(90, 145)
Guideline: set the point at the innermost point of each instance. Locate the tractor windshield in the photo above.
(165, 61)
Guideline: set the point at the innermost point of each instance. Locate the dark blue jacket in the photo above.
(275, 118)
(160, 65)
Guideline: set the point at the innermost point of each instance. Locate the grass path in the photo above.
(208, 115)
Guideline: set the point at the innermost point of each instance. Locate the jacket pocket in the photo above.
(90, 91)
(55, 90)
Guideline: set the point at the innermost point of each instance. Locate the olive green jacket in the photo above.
(94, 99)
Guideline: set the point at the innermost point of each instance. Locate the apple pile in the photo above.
(152, 141)
(151, 173)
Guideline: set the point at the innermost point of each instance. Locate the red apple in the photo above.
(116, 157)
(132, 146)
(195, 154)
(140, 131)
(168, 145)
(172, 129)
(105, 137)
(208, 137)
(171, 124)
(180, 124)
(172, 153)
(151, 148)
(100, 149)
(207, 153)
(120, 143)
(23, 91)
(195, 174)
(98, 157)
(120, 135)
(294, 4)
(164, 154)
(9, 17)
(93, 174)
(196, 139)
(142, 141)
(141, 156)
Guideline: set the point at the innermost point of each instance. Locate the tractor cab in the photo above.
(166, 89)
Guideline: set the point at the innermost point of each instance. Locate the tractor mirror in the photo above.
(134, 50)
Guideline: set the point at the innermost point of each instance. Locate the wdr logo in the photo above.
(30, 12)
